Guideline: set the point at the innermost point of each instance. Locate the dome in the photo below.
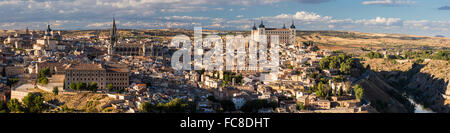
(292, 26)
(262, 25)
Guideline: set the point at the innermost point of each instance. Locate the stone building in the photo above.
(286, 35)
(52, 65)
(11, 71)
(116, 47)
(114, 74)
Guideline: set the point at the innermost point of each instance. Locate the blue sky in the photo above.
(416, 17)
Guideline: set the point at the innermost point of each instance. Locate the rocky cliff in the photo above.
(427, 83)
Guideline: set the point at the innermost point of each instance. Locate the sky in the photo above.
(415, 17)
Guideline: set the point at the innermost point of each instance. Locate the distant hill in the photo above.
(336, 40)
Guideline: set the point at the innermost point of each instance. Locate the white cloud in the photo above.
(101, 24)
(303, 16)
(382, 21)
(185, 18)
(388, 2)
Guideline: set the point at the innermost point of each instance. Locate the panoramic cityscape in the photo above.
(201, 56)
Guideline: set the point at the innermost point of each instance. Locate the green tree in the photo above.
(15, 106)
(301, 106)
(44, 73)
(359, 92)
(81, 86)
(73, 86)
(43, 80)
(55, 90)
(110, 87)
(146, 107)
(320, 90)
(34, 103)
(93, 87)
(12, 81)
(373, 55)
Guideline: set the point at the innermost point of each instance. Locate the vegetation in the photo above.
(43, 80)
(341, 62)
(12, 81)
(301, 106)
(359, 92)
(34, 103)
(146, 107)
(91, 106)
(255, 105)
(44, 73)
(323, 90)
(373, 55)
(226, 105)
(14, 106)
(229, 76)
(66, 109)
(440, 55)
(55, 90)
(338, 78)
(110, 87)
(42, 76)
(80, 86)
(174, 106)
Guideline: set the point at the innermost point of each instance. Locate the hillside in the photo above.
(427, 83)
(343, 40)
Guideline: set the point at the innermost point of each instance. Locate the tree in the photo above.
(373, 55)
(300, 106)
(55, 90)
(14, 106)
(110, 87)
(320, 90)
(12, 81)
(359, 92)
(44, 73)
(81, 86)
(34, 103)
(43, 80)
(73, 86)
(93, 87)
(146, 107)
(228, 105)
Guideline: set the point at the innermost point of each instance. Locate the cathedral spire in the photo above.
(113, 32)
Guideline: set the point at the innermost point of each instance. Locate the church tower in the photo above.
(113, 38)
(293, 33)
(261, 31)
(114, 33)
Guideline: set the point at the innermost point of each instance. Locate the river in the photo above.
(419, 107)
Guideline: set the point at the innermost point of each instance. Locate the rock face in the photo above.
(426, 83)
(383, 97)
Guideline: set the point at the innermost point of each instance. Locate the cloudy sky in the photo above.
(417, 17)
